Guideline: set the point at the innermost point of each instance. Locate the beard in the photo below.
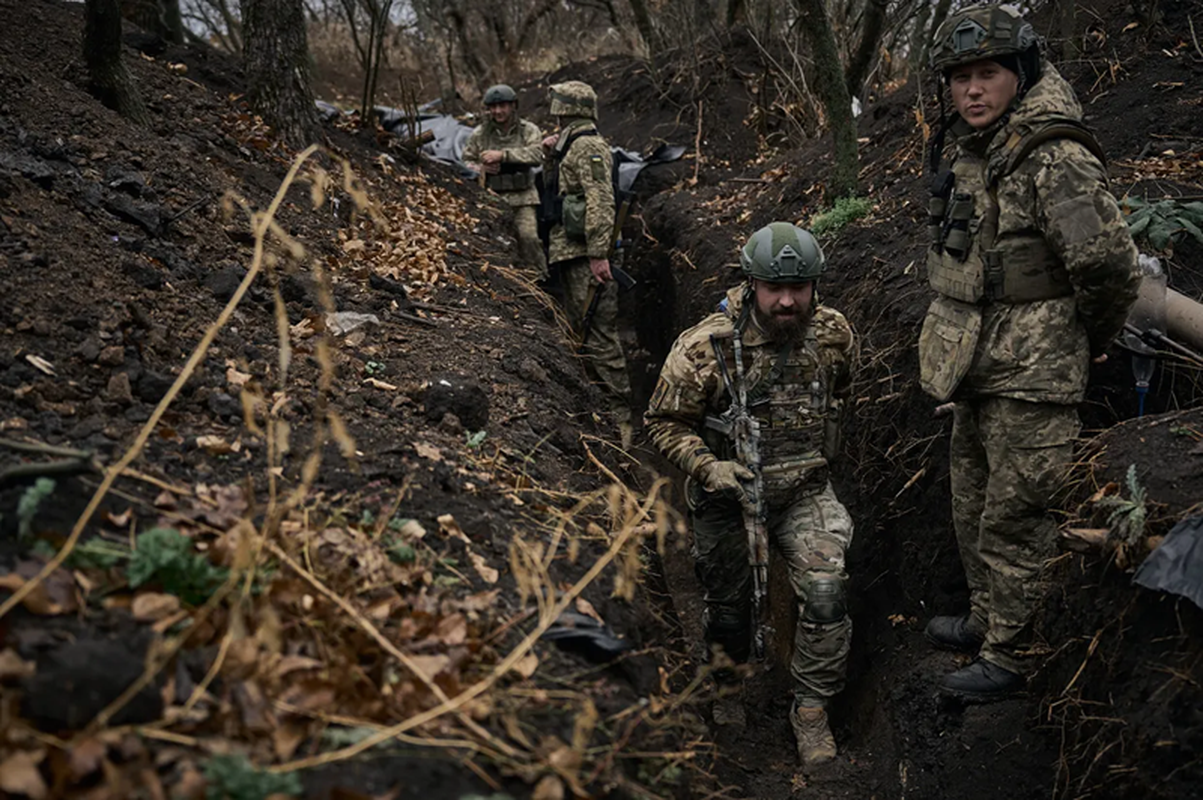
(784, 328)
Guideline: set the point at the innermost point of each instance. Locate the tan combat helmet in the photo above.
(573, 99)
(995, 32)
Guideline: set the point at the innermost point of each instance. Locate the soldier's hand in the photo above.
(550, 141)
(725, 477)
(601, 269)
(492, 156)
(492, 168)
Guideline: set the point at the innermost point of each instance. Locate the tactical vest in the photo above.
(512, 178)
(967, 261)
(799, 424)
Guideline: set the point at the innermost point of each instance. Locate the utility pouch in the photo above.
(937, 204)
(955, 233)
(510, 181)
(574, 217)
(832, 436)
(947, 344)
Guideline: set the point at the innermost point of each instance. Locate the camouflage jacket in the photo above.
(521, 146)
(1058, 224)
(585, 170)
(800, 409)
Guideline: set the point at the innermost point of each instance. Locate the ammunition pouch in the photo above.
(511, 180)
(937, 205)
(573, 217)
(947, 345)
(955, 233)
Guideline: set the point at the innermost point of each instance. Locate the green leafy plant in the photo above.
(1126, 516)
(90, 554)
(476, 439)
(845, 210)
(235, 778)
(373, 368)
(399, 552)
(165, 556)
(1163, 221)
(28, 505)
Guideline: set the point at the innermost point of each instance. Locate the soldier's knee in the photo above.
(730, 628)
(825, 597)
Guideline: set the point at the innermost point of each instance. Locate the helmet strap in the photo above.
(747, 301)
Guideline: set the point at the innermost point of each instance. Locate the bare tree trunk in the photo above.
(862, 59)
(1067, 27)
(276, 57)
(938, 17)
(173, 21)
(832, 87)
(919, 37)
(647, 29)
(111, 83)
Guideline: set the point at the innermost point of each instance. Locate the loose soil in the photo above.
(117, 256)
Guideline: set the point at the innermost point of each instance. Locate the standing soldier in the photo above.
(1035, 272)
(582, 235)
(506, 149)
(790, 359)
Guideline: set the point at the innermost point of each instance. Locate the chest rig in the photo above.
(790, 396)
(970, 259)
(512, 177)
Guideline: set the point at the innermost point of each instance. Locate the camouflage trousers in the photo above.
(530, 249)
(1008, 460)
(605, 360)
(812, 533)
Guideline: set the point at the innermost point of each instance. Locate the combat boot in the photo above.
(728, 709)
(982, 682)
(816, 745)
(954, 633)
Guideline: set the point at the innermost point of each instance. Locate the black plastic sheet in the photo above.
(1177, 565)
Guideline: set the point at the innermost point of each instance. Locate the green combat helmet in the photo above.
(573, 99)
(782, 253)
(500, 93)
(995, 32)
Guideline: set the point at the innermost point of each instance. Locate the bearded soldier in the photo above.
(1035, 272)
(579, 242)
(506, 149)
(791, 360)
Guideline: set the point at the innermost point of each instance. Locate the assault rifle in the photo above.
(621, 277)
(738, 423)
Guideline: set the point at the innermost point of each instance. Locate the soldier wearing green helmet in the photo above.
(1034, 272)
(505, 150)
(792, 359)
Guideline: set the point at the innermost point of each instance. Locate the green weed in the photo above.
(845, 210)
(28, 505)
(165, 556)
(1126, 517)
(1163, 221)
(235, 778)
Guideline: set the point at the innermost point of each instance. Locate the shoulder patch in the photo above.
(597, 167)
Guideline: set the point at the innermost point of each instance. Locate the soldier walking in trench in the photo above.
(1035, 272)
(791, 359)
(506, 149)
(581, 238)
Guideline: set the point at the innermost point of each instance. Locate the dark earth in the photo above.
(118, 255)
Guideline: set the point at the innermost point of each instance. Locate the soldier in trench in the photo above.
(797, 357)
(581, 238)
(506, 149)
(1034, 272)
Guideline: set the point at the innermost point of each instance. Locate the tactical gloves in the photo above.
(725, 477)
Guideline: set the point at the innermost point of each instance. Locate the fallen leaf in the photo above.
(550, 788)
(430, 666)
(428, 451)
(452, 629)
(586, 608)
(1130, 26)
(235, 378)
(486, 573)
(388, 387)
(120, 520)
(353, 245)
(450, 527)
(412, 529)
(85, 757)
(286, 738)
(154, 606)
(480, 601)
(527, 665)
(217, 446)
(41, 363)
(53, 596)
(19, 774)
(13, 666)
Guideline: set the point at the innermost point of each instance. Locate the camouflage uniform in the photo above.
(585, 164)
(797, 394)
(521, 145)
(1045, 282)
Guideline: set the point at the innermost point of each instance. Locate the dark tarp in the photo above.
(1177, 565)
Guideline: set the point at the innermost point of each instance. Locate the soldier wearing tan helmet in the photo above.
(774, 352)
(1034, 272)
(580, 239)
(506, 149)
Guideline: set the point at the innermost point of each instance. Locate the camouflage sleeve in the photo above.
(678, 407)
(592, 161)
(1085, 228)
(530, 152)
(835, 334)
(473, 148)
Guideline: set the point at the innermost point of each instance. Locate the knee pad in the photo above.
(826, 597)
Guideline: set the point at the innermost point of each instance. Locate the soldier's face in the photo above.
(783, 309)
(501, 113)
(982, 91)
